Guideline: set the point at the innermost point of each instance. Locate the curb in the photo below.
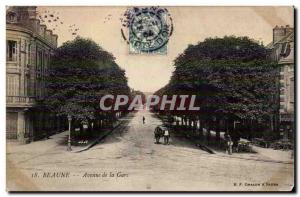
(205, 148)
(260, 160)
(96, 141)
(199, 145)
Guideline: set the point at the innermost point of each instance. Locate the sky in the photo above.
(150, 72)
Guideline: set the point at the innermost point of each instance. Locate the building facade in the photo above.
(29, 46)
(283, 52)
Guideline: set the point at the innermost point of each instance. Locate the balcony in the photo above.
(19, 101)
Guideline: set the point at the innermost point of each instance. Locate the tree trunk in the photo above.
(200, 129)
(218, 133)
(208, 132)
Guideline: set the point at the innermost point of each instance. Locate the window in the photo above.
(40, 60)
(11, 17)
(285, 50)
(11, 50)
(29, 54)
(292, 90)
(44, 62)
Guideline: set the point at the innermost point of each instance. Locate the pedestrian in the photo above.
(143, 120)
(229, 145)
(166, 136)
(157, 134)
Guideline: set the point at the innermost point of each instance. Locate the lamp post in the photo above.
(69, 139)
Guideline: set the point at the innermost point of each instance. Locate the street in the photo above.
(129, 160)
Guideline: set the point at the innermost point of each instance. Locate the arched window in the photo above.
(11, 17)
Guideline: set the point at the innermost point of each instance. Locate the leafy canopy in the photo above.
(230, 76)
(81, 73)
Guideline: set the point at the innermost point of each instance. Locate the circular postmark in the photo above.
(149, 28)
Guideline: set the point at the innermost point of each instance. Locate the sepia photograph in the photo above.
(150, 98)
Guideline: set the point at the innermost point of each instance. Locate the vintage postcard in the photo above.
(150, 98)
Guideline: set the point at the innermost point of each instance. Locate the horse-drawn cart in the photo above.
(158, 133)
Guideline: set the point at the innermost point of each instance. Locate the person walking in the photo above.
(144, 120)
(229, 145)
(166, 137)
(157, 134)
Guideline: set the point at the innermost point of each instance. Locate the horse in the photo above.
(158, 133)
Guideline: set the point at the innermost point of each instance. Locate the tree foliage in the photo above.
(231, 77)
(81, 73)
(227, 48)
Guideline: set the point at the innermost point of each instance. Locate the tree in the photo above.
(81, 72)
(232, 79)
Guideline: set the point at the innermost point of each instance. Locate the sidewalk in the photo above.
(266, 154)
(279, 155)
(37, 146)
(55, 143)
(77, 149)
(260, 154)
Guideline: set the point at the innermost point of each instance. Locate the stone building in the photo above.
(29, 46)
(282, 49)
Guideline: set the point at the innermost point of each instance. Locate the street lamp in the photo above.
(69, 139)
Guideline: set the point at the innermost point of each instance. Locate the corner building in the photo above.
(29, 46)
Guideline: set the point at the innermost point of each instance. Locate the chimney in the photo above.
(278, 33)
(32, 13)
(288, 29)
